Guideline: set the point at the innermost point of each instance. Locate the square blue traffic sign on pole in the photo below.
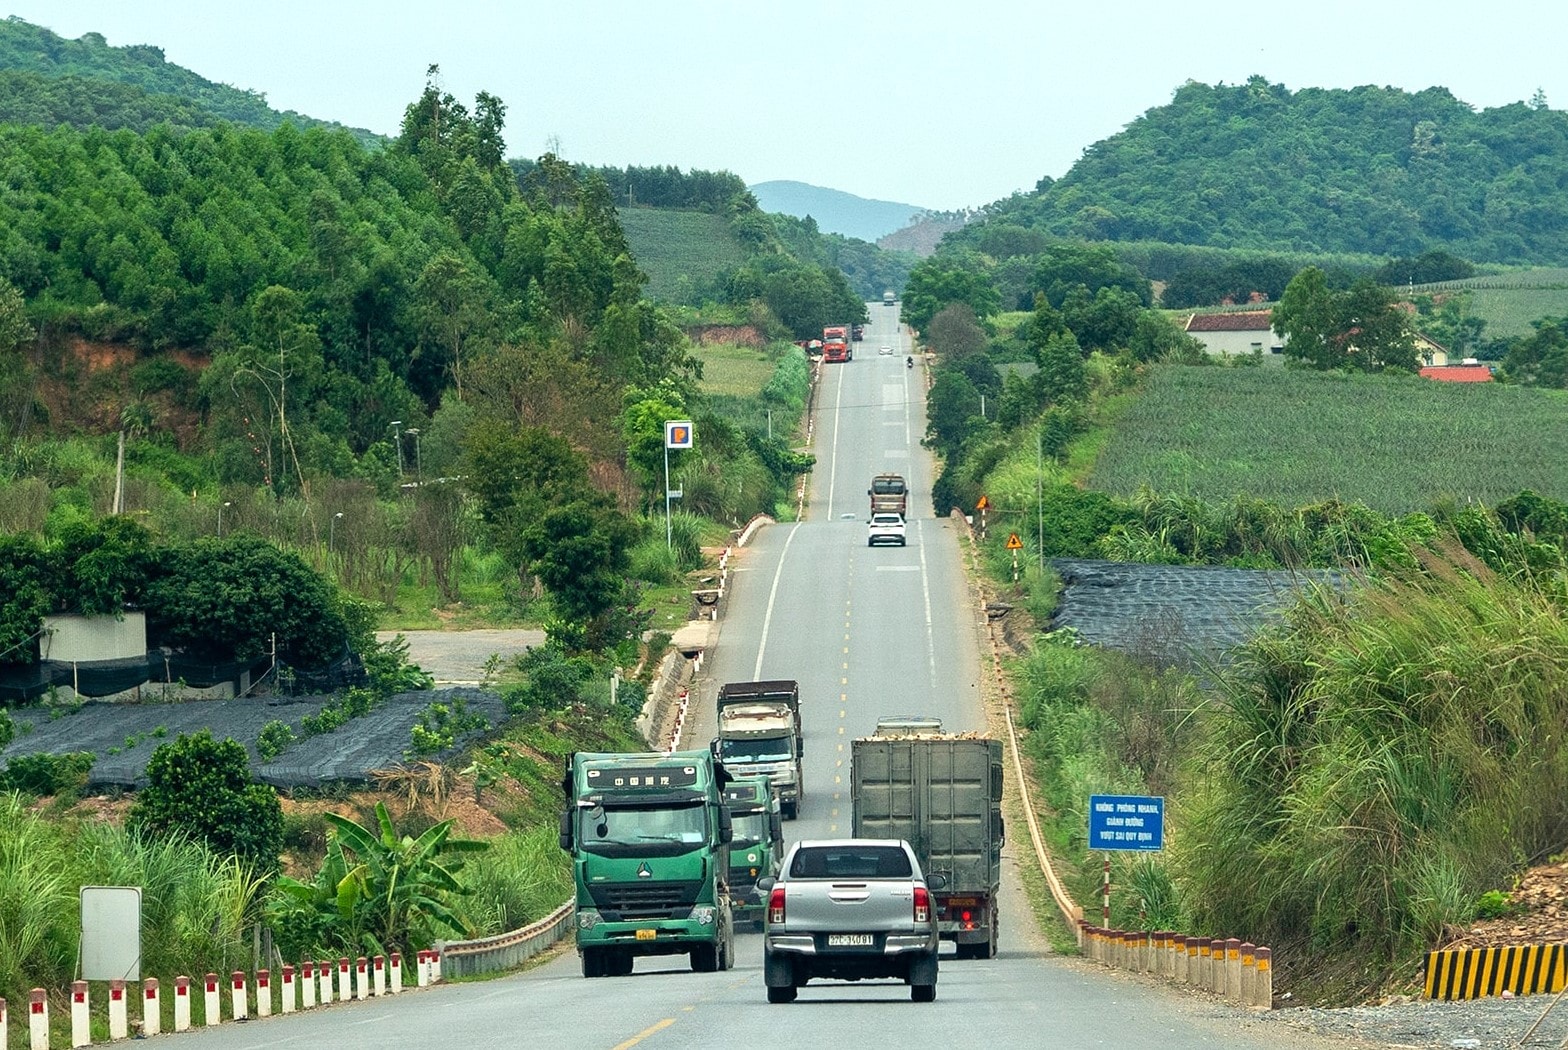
(1126, 822)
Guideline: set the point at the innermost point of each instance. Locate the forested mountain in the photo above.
(834, 210)
(1369, 170)
(50, 80)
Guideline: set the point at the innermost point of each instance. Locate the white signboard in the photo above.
(111, 933)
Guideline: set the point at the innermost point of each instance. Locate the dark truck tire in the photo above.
(594, 963)
(919, 993)
(790, 810)
(705, 958)
(781, 995)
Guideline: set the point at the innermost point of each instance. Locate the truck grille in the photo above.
(626, 901)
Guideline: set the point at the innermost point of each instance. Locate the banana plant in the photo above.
(381, 891)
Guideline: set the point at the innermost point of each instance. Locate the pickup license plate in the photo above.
(850, 940)
(647, 935)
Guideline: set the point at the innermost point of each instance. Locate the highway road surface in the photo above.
(867, 632)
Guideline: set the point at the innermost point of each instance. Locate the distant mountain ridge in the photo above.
(49, 79)
(834, 210)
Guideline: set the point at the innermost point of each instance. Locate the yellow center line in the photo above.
(645, 1033)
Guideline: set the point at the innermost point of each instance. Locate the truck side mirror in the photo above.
(1000, 830)
(726, 825)
(566, 830)
(776, 826)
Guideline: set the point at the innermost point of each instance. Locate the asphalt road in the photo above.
(866, 632)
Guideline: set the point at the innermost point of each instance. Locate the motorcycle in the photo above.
(909, 362)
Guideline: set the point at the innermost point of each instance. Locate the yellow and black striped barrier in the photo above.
(1471, 973)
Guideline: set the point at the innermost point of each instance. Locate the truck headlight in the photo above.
(587, 919)
(751, 858)
(704, 916)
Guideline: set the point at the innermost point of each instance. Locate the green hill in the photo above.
(1367, 170)
(682, 252)
(50, 80)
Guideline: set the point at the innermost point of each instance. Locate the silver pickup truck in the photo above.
(850, 909)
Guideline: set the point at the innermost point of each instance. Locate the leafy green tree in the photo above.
(1062, 375)
(201, 787)
(1155, 338)
(642, 428)
(102, 567)
(580, 550)
(1306, 319)
(229, 598)
(943, 280)
(1065, 267)
(952, 407)
(1105, 322)
(1540, 358)
(452, 308)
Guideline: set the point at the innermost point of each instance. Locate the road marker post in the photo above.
(119, 1015)
(152, 1008)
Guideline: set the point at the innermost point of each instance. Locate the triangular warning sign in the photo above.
(1014, 543)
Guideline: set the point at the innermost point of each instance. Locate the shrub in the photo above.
(203, 788)
(46, 775)
(273, 739)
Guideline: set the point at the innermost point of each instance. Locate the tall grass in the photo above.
(521, 878)
(1382, 760)
(196, 908)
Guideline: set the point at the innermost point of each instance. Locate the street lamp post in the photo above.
(332, 532)
(220, 518)
(397, 439)
(418, 465)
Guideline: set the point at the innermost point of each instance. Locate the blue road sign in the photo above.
(1128, 822)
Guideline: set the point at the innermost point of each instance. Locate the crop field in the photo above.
(680, 251)
(733, 371)
(1397, 444)
(1508, 302)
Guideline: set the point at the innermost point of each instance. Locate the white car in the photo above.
(885, 528)
(886, 351)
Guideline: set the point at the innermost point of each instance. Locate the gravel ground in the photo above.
(1486, 1024)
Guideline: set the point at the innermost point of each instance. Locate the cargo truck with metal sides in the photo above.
(941, 793)
(889, 297)
(889, 495)
(836, 345)
(759, 735)
(649, 836)
(758, 845)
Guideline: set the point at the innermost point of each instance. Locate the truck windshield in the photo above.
(621, 830)
(756, 749)
(750, 829)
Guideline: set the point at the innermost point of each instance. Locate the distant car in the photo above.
(885, 528)
(886, 351)
(850, 910)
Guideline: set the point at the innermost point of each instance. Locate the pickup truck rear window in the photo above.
(850, 862)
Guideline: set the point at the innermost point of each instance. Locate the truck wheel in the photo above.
(791, 809)
(990, 944)
(593, 962)
(705, 958)
(920, 993)
(781, 995)
(620, 964)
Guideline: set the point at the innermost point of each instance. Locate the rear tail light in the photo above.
(776, 904)
(922, 904)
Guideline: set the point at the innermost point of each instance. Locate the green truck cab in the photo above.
(758, 845)
(649, 836)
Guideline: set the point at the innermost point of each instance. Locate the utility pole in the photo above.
(1039, 495)
(397, 439)
(677, 434)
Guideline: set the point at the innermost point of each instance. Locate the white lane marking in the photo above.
(925, 587)
(773, 593)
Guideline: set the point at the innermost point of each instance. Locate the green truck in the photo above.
(649, 836)
(758, 844)
(941, 793)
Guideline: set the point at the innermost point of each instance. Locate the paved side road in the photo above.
(458, 657)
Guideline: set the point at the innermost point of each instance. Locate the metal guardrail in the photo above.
(505, 950)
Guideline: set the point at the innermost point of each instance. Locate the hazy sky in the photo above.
(937, 104)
